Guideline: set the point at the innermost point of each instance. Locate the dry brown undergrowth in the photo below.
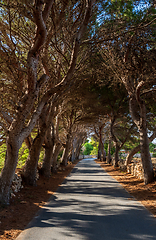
(14, 218)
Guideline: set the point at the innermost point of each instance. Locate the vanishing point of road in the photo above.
(91, 205)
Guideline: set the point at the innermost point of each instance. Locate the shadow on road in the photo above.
(91, 205)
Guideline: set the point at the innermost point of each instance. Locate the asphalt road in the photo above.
(91, 205)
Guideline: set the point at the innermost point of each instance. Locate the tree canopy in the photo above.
(70, 69)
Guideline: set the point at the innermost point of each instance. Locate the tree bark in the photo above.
(140, 121)
(56, 152)
(78, 149)
(117, 147)
(109, 158)
(7, 174)
(30, 168)
(99, 151)
(17, 131)
(49, 145)
(74, 146)
(29, 174)
(116, 160)
(66, 151)
(131, 154)
(145, 156)
(137, 149)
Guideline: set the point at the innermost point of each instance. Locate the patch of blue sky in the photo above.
(138, 7)
(141, 6)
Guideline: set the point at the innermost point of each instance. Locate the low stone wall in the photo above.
(135, 168)
(16, 184)
(86, 156)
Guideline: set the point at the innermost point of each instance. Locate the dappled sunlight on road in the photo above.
(91, 205)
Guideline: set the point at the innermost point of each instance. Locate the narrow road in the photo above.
(91, 205)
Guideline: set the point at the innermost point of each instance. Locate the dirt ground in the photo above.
(14, 218)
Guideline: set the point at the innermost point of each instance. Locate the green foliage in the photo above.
(154, 154)
(23, 154)
(60, 155)
(2, 155)
(129, 145)
(41, 155)
(152, 146)
(112, 150)
(106, 147)
(94, 151)
(95, 145)
(88, 148)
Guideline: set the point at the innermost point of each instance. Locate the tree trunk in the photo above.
(103, 153)
(78, 149)
(7, 174)
(46, 166)
(140, 121)
(30, 169)
(75, 144)
(117, 147)
(146, 157)
(101, 144)
(99, 152)
(131, 154)
(56, 151)
(109, 159)
(34, 84)
(66, 151)
(116, 155)
(49, 145)
(137, 149)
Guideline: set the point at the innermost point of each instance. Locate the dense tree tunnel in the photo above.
(71, 70)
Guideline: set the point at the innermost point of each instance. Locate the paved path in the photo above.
(91, 205)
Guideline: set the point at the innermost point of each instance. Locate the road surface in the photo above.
(91, 205)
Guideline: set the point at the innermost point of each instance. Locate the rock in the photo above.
(12, 195)
(16, 184)
(135, 168)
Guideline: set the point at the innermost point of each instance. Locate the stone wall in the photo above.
(135, 168)
(86, 156)
(16, 184)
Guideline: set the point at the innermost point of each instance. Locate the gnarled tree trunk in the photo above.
(17, 131)
(30, 168)
(80, 142)
(7, 174)
(131, 154)
(140, 121)
(49, 145)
